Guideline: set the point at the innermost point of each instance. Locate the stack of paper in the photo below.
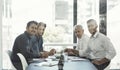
(52, 63)
(72, 58)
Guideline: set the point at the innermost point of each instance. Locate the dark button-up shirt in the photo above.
(26, 45)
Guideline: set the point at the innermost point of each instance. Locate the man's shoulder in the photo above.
(86, 36)
(103, 36)
(21, 36)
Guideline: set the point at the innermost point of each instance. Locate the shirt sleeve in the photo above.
(110, 50)
(84, 43)
(82, 52)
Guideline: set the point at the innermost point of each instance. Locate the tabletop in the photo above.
(72, 64)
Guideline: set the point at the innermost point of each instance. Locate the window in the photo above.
(58, 15)
(113, 27)
(87, 9)
(52, 12)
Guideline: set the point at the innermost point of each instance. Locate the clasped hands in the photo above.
(99, 62)
(45, 54)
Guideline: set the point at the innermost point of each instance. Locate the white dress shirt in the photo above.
(100, 47)
(82, 45)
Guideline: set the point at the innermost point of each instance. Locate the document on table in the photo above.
(72, 58)
(38, 60)
(49, 64)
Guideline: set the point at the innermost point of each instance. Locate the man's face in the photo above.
(41, 30)
(32, 29)
(91, 27)
(79, 32)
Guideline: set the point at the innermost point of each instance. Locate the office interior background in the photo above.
(60, 17)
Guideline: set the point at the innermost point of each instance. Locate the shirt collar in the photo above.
(95, 35)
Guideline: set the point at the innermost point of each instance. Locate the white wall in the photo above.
(0, 34)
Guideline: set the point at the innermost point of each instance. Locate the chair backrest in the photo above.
(9, 54)
(23, 60)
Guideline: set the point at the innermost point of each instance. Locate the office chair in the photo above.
(23, 61)
(9, 54)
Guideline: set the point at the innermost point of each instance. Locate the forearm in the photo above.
(76, 52)
(104, 60)
(98, 62)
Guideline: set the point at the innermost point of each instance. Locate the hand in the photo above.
(96, 62)
(76, 52)
(104, 60)
(67, 50)
(71, 53)
(45, 54)
(99, 62)
(52, 52)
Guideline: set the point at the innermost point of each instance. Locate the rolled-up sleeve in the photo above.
(110, 50)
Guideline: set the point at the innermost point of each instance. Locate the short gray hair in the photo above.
(93, 22)
(41, 24)
(78, 26)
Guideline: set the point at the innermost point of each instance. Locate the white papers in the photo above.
(51, 57)
(72, 58)
(38, 60)
(51, 63)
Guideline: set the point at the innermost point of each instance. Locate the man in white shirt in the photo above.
(81, 42)
(100, 49)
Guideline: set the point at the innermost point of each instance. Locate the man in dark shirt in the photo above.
(23, 44)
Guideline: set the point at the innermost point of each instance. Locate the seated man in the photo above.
(81, 43)
(22, 45)
(40, 31)
(101, 50)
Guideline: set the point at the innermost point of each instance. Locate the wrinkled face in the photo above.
(32, 29)
(91, 27)
(79, 32)
(41, 30)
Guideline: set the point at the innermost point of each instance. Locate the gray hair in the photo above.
(78, 26)
(42, 24)
(92, 21)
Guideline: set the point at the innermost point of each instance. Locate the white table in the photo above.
(69, 65)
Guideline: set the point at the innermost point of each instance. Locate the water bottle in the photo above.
(61, 62)
(65, 56)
